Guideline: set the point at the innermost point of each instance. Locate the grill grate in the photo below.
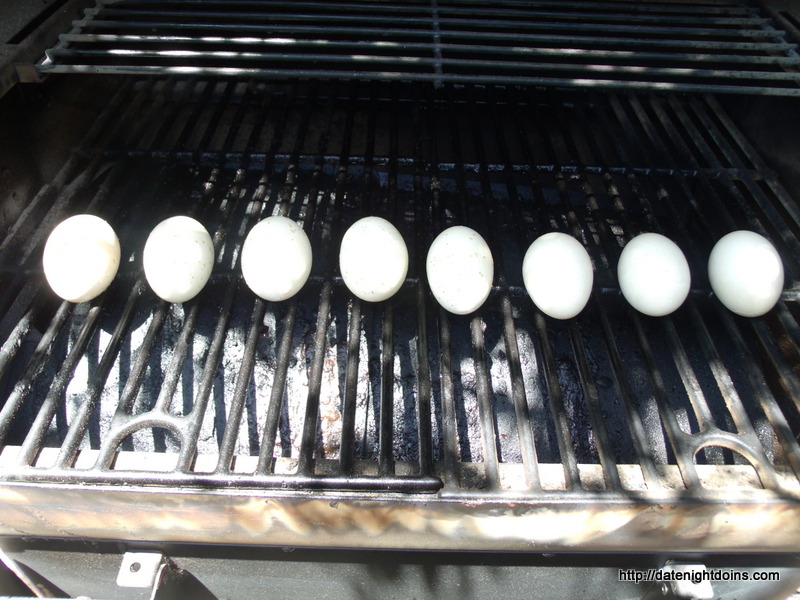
(720, 46)
(326, 392)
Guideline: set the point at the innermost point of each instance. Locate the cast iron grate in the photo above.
(326, 392)
(720, 46)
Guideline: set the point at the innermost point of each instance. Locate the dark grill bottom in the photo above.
(326, 392)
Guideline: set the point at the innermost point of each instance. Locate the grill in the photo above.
(723, 47)
(324, 392)
(325, 421)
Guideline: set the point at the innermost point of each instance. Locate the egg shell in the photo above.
(276, 258)
(653, 274)
(460, 270)
(373, 259)
(558, 275)
(81, 258)
(746, 273)
(178, 258)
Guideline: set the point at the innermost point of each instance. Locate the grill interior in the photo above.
(327, 392)
(719, 46)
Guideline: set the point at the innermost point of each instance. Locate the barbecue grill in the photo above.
(131, 424)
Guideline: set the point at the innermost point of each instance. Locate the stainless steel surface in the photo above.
(724, 47)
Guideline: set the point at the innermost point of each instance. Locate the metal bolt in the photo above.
(135, 567)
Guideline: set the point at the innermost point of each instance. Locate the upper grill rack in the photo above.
(720, 46)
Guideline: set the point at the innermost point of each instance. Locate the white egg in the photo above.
(373, 259)
(81, 258)
(276, 258)
(178, 258)
(558, 275)
(460, 270)
(746, 273)
(653, 274)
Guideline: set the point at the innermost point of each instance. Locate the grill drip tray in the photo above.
(326, 421)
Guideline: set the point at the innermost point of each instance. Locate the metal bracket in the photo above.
(139, 569)
(27, 73)
(166, 580)
(667, 587)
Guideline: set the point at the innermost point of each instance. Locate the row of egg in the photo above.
(82, 255)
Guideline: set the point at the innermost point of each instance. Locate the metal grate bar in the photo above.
(373, 13)
(627, 397)
(660, 60)
(482, 391)
(438, 218)
(765, 398)
(449, 423)
(556, 400)
(386, 421)
(347, 447)
(770, 212)
(727, 8)
(634, 419)
(246, 369)
(386, 464)
(576, 44)
(565, 443)
(591, 395)
(78, 427)
(194, 420)
(33, 441)
(589, 388)
(422, 202)
(266, 459)
(216, 347)
(493, 234)
(227, 447)
(420, 26)
(765, 53)
(14, 401)
(521, 410)
(312, 413)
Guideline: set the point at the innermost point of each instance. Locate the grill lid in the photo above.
(688, 46)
